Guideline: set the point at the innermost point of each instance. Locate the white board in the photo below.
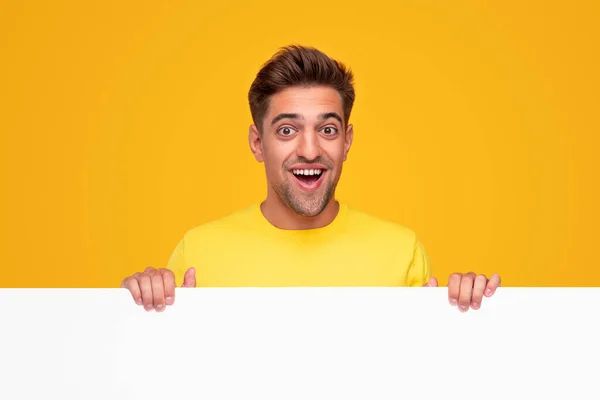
(299, 343)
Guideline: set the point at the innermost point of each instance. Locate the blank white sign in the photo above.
(299, 343)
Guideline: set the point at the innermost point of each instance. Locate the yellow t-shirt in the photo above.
(356, 249)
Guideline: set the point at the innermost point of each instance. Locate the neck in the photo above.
(281, 216)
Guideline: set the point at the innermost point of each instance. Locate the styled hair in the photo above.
(302, 67)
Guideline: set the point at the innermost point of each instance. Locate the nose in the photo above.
(308, 145)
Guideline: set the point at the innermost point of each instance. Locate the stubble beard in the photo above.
(309, 205)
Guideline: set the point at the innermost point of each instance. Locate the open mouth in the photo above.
(309, 178)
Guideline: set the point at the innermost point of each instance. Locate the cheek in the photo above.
(335, 151)
(274, 161)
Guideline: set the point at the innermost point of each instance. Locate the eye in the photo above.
(329, 130)
(286, 131)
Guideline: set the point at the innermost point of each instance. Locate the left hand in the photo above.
(468, 289)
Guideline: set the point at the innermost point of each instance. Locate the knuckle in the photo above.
(157, 280)
(167, 273)
(146, 293)
(455, 278)
(466, 283)
(132, 284)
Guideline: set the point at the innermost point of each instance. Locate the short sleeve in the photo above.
(177, 263)
(419, 271)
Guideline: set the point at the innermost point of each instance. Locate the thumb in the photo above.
(432, 283)
(189, 279)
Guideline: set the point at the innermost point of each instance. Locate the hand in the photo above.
(155, 288)
(468, 289)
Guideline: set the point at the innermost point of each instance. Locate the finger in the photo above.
(466, 292)
(146, 289)
(131, 283)
(432, 283)
(169, 285)
(492, 285)
(454, 288)
(189, 279)
(149, 270)
(478, 288)
(158, 292)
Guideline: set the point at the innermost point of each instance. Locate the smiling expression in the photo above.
(304, 143)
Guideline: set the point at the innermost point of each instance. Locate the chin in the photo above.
(302, 203)
(308, 207)
(308, 213)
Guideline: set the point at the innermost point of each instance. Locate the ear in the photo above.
(348, 140)
(255, 142)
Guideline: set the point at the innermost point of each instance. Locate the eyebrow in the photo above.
(323, 117)
(281, 116)
(331, 115)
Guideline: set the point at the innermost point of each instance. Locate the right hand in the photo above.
(155, 288)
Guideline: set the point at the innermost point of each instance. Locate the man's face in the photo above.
(304, 143)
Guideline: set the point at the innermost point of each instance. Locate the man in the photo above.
(300, 235)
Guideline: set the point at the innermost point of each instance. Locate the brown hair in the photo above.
(299, 66)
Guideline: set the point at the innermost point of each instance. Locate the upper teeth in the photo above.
(307, 172)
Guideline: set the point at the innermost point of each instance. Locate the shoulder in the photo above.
(384, 229)
(242, 219)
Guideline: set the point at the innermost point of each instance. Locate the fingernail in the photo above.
(475, 305)
(453, 302)
(169, 300)
(463, 307)
(488, 292)
(148, 307)
(159, 307)
(138, 302)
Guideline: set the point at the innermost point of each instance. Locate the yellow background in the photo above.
(125, 123)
